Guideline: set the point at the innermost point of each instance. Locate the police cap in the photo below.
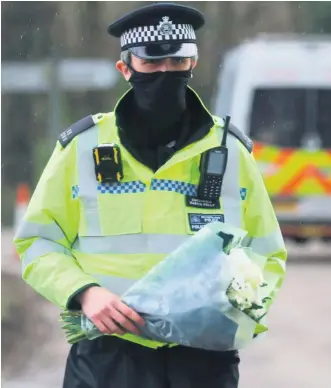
(159, 30)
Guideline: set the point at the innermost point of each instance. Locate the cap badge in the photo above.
(165, 27)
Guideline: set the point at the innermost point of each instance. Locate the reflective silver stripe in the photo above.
(267, 245)
(114, 284)
(231, 188)
(88, 191)
(29, 229)
(130, 244)
(40, 248)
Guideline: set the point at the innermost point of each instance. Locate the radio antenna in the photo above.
(225, 130)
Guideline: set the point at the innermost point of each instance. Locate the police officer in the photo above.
(123, 189)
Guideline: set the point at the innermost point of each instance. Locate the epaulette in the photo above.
(75, 129)
(245, 140)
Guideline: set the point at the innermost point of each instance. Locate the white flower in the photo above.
(243, 267)
(247, 280)
(243, 293)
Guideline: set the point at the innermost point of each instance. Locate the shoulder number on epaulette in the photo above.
(75, 129)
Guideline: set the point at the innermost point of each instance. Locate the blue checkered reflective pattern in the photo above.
(122, 187)
(75, 191)
(170, 185)
(243, 193)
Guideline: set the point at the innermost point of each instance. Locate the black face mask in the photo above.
(160, 96)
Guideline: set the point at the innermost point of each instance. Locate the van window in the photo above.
(284, 117)
(324, 117)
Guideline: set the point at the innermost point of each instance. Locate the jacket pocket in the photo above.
(114, 213)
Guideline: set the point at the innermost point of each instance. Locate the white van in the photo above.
(277, 90)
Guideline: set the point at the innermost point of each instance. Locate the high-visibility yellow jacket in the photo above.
(77, 231)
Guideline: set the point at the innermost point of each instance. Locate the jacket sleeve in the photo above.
(265, 237)
(50, 226)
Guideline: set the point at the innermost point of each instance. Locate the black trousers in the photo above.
(110, 362)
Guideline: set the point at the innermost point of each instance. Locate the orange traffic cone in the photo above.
(22, 201)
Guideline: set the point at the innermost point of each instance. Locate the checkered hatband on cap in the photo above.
(166, 31)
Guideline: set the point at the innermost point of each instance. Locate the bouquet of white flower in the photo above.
(210, 293)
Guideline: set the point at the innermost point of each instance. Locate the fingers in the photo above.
(129, 313)
(111, 325)
(106, 325)
(110, 315)
(123, 321)
(100, 325)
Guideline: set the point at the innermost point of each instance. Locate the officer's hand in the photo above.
(106, 311)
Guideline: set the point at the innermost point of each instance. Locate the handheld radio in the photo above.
(212, 168)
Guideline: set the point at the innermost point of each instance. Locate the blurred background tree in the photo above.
(34, 31)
